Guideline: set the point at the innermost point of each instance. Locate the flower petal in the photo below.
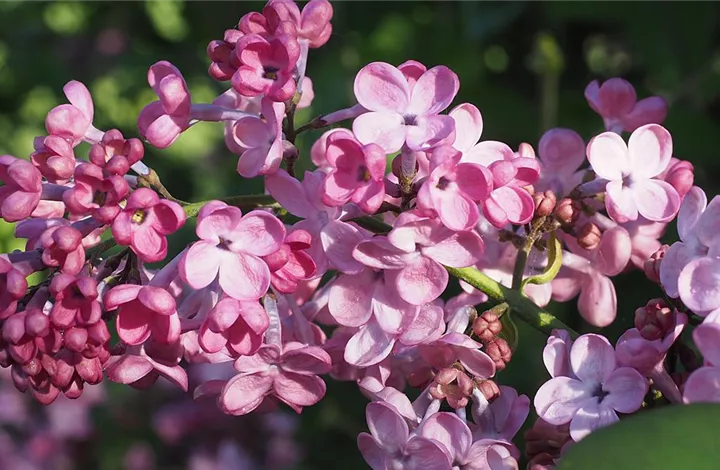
(626, 390)
(558, 399)
(422, 281)
(699, 285)
(381, 87)
(592, 358)
(608, 156)
(244, 277)
(434, 91)
(656, 200)
(650, 149)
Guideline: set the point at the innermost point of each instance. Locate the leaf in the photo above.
(674, 437)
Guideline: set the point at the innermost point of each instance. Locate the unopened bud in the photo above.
(500, 352)
(290, 152)
(655, 320)
(567, 211)
(489, 389)
(487, 327)
(544, 203)
(681, 175)
(652, 265)
(452, 385)
(526, 150)
(589, 236)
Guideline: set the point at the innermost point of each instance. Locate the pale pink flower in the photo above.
(616, 102)
(54, 157)
(318, 151)
(291, 264)
(144, 312)
(267, 66)
(561, 152)
(390, 444)
(630, 170)
(22, 188)
(599, 390)
(145, 223)
(703, 384)
(161, 122)
(234, 327)
(453, 189)
(74, 121)
(289, 374)
(230, 248)
(502, 418)
(262, 139)
(419, 247)
(356, 173)
(399, 113)
(95, 193)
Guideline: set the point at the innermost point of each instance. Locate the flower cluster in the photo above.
(403, 198)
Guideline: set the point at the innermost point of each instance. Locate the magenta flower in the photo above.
(267, 66)
(74, 121)
(95, 194)
(76, 301)
(21, 193)
(13, 286)
(161, 122)
(54, 157)
(390, 444)
(680, 174)
(224, 61)
(453, 189)
(262, 139)
(561, 152)
(145, 222)
(62, 248)
(143, 312)
(356, 173)
(400, 113)
(230, 248)
(233, 327)
(616, 102)
(703, 384)
(312, 25)
(115, 154)
(141, 365)
(631, 169)
(290, 374)
(291, 264)
(598, 391)
(419, 247)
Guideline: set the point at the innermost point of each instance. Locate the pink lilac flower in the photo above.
(291, 264)
(400, 113)
(161, 122)
(22, 189)
(267, 66)
(455, 346)
(356, 173)
(318, 151)
(54, 157)
(262, 139)
(95, 193)
(143, 312)
(598, 390)
(288, 373)
(76, 301)
(62, 248)
(632, 188)
(616, 102)
(224, 61)
(230, 248)
(141, 365)
(702, 385)
(312, 25)
(680, 174)
(145, 222)
(419, 247)
(74, 121)
(13, 286)
(453, 189)
(234, 327)
(390, 444)
(561, 152)
(502, 418)
(115, 154)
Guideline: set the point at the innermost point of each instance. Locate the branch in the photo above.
(250, 201)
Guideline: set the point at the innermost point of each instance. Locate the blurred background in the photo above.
(524, 64)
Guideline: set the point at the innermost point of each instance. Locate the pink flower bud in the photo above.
(589, 236)
(544, 203)
(22, 190)
(654, 320)
(567, 211)
(681, 175)
(500, 352)
(115, 154)
(489, 389)
(487, 327)
(54, 157)
(452, 385)
(652, 265)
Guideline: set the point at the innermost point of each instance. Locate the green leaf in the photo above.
(674, 437)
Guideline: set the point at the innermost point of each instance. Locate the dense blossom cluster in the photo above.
(404, 199)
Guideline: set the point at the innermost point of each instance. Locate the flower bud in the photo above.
(589, 236)
(681, 175)
(567, 211)
(487, 326)
(452, 385)
(544, 203)
(290, 152)
(500, 352)
(655, 320)
(489, 389)
(652, 265)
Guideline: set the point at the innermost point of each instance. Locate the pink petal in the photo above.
(120, 295)
(425, 454)
(450, 431)
(241, 394)
(430, 132)
(620, 202)
(474, 180)
(626, 390)
(614, 251)
(650, 150)
(422, 281)
(251, 272)
(310, 360)
(556, 355)
(199, 266)
(350, 298)
(371, 451)
(592, 358)
(656, 200)
(460, 250)
(388, 308)
(590, 417)
(468, 126)
(259, 233)
(516, 203)
(476, 362)
(379, 253)
(646, 111)
(384, 128)
(707, 340)
(299, 390)
(487, 152)
(251, 132)
(368, 346)
(561, 149)
(598, 302)
(387, 426)
(338, 241)
(79, 96)
(128, 369)
(456, 211)
(132, 325)
(158, 300)
(149, 245)
(290, 194)
(616, 98)
(703, 386)
(382, 87)
(608, 156)
(434, 91)
(708, 227)
(426, 327)
(559, 399)
(676, 258)
(699, 285)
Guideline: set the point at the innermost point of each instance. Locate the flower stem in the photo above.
(246, 201)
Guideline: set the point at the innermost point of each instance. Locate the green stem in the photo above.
(249, 201)
(520, 263)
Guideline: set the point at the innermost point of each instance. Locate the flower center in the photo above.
(442, 183)
(363, 173)
(138, 216)
(99, 198)
(224, 244)
(271, 73)
(600, 394)
(410, 120)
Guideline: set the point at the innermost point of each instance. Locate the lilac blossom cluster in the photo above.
(402, 200)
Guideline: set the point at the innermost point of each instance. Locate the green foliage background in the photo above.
(524, 64)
